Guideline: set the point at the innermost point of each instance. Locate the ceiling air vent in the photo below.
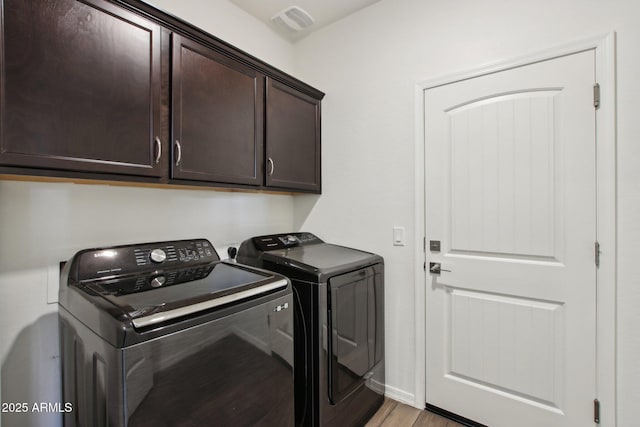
(293, 18)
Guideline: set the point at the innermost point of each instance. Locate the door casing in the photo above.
(604, 48)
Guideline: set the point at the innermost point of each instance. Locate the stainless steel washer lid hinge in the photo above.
(596, 96)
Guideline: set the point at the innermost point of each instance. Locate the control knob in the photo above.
(290, 240)
(158, 256)
(158, 281)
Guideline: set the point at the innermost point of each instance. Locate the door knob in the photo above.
(436, 268)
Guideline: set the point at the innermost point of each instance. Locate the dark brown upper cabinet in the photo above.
(292, 139)
(217, 116)
(80, 88)
(117, 90)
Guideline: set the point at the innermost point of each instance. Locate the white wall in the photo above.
(228, 22)
(369, 63)
(44, 223)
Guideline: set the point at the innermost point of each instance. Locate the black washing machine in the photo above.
(166, 334)
(339, 325)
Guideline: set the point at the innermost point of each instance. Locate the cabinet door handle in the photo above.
(158, 150)
(271, 166)
(179, 156)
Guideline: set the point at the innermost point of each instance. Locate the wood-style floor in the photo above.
(396, 414)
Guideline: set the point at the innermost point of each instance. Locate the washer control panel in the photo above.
(145, 282)
(119, 260)
(285, 241)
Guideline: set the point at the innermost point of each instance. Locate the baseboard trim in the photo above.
(399, 395)
(453, 417)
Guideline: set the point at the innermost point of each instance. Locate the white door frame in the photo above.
(604, 47)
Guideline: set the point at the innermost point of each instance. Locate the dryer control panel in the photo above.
(284, 241)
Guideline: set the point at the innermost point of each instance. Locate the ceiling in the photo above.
(323, 12)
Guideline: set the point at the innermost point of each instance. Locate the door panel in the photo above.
(510, 344)
(218, 111)
(81, 88)
(354, 324)
(293, 139)
(510, 193)
(505, 203)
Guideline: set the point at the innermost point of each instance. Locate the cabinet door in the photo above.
(80, 88)
(293, 139)
(218, 109)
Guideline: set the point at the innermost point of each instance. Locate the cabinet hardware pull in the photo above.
(159, 149)
(179, 158)
(271, 166)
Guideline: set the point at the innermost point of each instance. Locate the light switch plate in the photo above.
(398, 236)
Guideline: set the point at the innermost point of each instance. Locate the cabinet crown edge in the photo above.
(181, 26)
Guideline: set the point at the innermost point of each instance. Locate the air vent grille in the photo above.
(293, 18)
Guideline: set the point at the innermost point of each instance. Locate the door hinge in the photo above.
(596, 96)
(424, 244)
(596, 411)
(597, 253)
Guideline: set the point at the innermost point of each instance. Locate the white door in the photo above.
(510, 194)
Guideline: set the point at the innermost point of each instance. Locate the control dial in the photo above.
(290, 240)
(158, 256)
(158, 281)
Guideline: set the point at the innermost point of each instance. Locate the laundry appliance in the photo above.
(339, 324)
(166, 334)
